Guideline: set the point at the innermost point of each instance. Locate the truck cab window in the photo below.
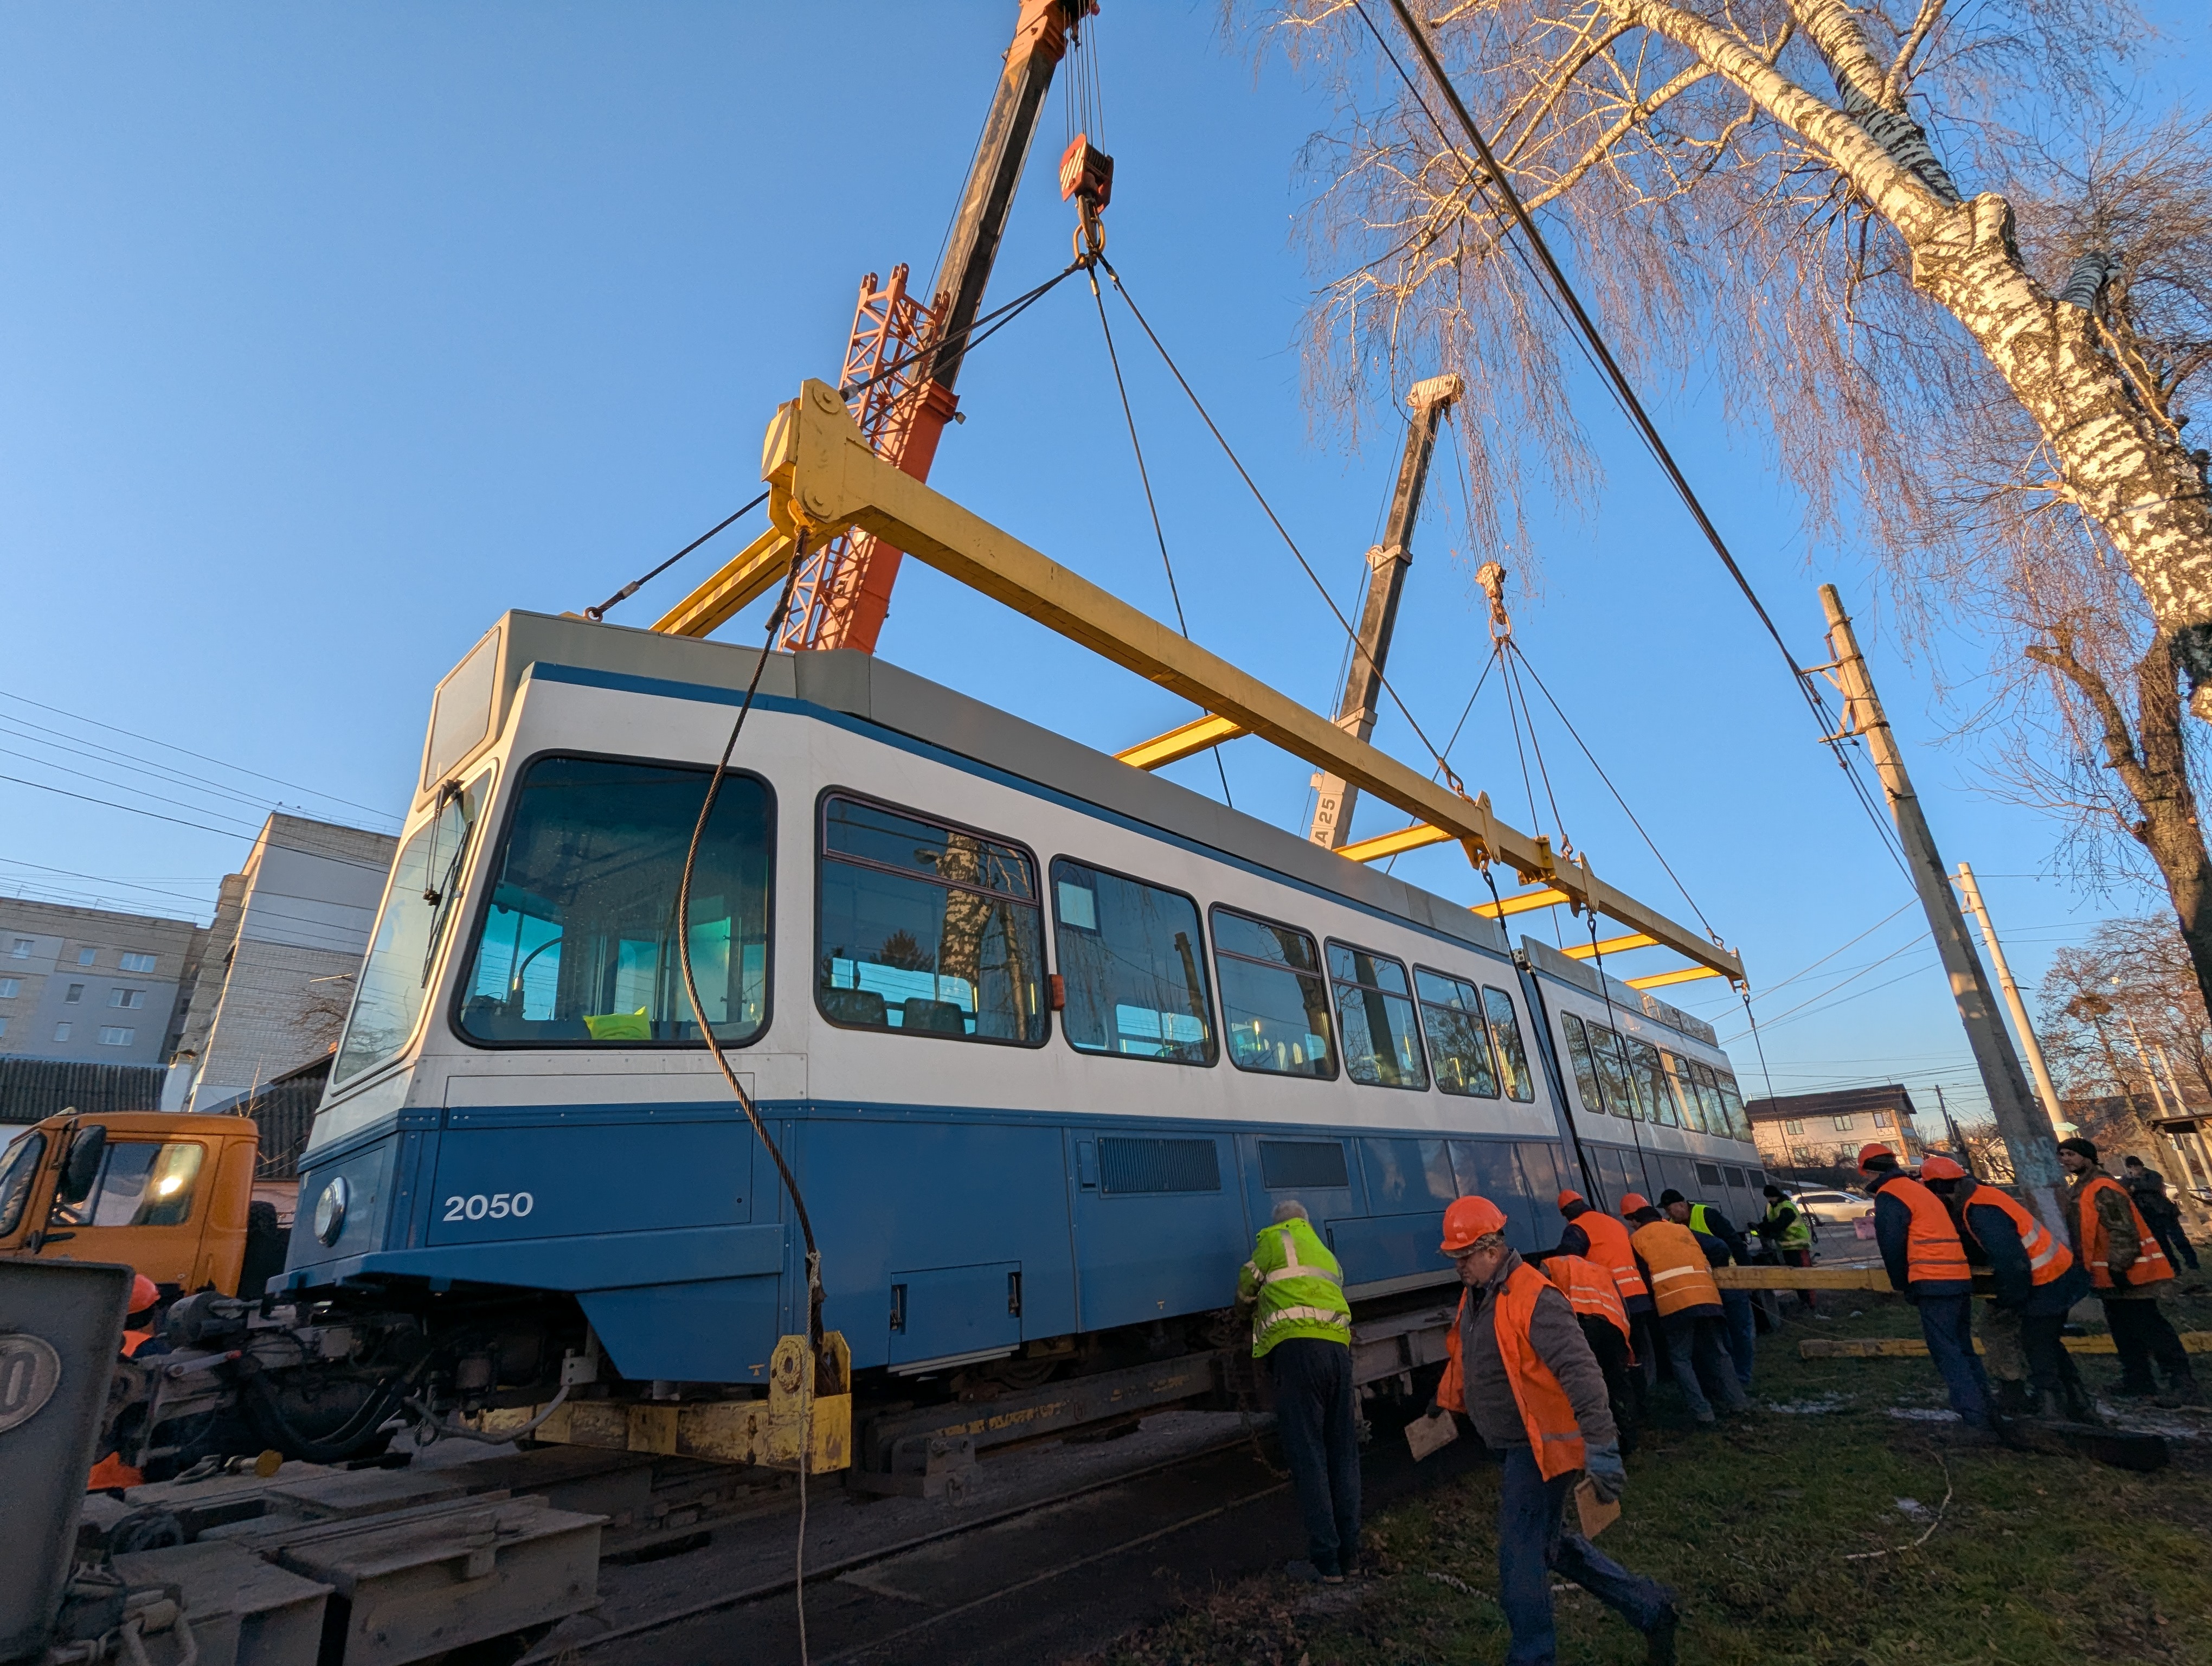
(1131, 957)
(17, 1170)
(927, 928)
(395, 978)
(142, 1182)
(579, 947)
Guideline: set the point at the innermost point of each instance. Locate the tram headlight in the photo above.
(330, 1210)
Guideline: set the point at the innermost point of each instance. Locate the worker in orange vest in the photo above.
(1927, 1265)
(2130, 1272)
(1692, 1321)
(1596, 1299)
(1605, 1241)
(1519, 1367)
(2037, 1282)
(138, 1337)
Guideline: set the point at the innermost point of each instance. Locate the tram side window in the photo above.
(1273, 1002)
(1374, 1006)
(927, 929)
(426, 885)
(1585, 1063)
(1709, 1097)
(1459, 1041)
(1131, 960)
(1684, 1087)
(1512, 1058)
(579, 947)
(1652, 1078)
(1739, 1124)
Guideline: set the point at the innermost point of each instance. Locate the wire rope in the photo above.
(595, 614)
(1143, 475)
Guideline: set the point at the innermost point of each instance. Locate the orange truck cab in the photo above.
(166, 1194)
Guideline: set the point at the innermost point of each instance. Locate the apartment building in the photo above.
(1828, 1130)
(90, 986)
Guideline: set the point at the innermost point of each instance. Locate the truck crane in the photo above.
(904, 356)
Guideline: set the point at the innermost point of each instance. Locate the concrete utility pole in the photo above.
(2014, 1004)
(2020, 1121)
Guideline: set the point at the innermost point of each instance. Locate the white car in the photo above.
(1833, 1208)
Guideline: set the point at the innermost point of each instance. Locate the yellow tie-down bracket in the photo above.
(808, 1415)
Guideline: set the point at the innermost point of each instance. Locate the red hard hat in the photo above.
(1469, 1218)
(1631, 1202)
(1565, 1198)
(1942, 1168)
(1866, 1153)
(143, 1294)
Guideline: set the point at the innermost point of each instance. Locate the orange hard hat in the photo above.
(1468, 1220)
(1942, 1168)
(143, 1293)
(1631, 1202)
(1868, 1153)
(1565, 1198)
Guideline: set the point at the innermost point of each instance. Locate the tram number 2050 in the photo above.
(497, 1206)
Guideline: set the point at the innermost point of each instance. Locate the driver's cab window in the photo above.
(18, 1169)
(141, 1182)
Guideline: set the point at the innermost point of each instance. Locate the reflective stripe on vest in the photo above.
(2150, 1263)
(1610, 1250)
(1589, 1288)
(1680, 1275)
(1283, 1301)
(2047, 1258)
(1933, 1253)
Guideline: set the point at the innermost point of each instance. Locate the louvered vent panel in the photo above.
(1288, 1163)
(1159, 1165)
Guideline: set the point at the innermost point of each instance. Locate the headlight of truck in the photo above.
(330, 1210)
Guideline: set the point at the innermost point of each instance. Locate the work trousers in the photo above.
(1649, 1347)
(1534, 1543)
(1624, 1383)
(1319, 1431)
(1698, 1349)
(1802, 1258)
(1743, 1324)
(2025, 1349)
(1947, 1322)
(2166, 1228)
(2142, 1336)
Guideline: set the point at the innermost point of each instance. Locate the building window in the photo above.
(1844, 1124)
(132, 961)
(9, 987)
(1885, 1119)
(3, 1027)
(61, 1031)
(85, 956)
(1793, 1128)
(126, 997)
(115, 1034)
(21, 948)
(1801, 1156)
(75, 994)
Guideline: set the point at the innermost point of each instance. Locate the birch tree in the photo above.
(1805, 199)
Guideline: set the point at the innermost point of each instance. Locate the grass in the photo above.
(2036, 1559)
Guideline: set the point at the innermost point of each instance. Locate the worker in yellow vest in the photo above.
(1519, 1368)
(1302, 1327)
(2130, 1272)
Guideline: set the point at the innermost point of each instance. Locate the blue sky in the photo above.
(327, 334)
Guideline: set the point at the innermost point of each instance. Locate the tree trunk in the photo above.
(2133, 478)
(2152, 764)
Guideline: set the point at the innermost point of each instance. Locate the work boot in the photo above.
(1659, 1638)
(2183, 1391)
(2014, 1399)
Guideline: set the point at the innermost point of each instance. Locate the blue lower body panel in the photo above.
(944, 1234)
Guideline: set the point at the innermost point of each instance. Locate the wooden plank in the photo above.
(1802, 1278)
(1886, 1347)
(824, 478)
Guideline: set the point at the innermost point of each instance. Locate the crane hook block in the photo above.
(1087, 172)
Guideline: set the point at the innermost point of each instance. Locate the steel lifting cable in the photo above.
(595, 614)
(1143, 475)
(998, 318)
(1593, 345)
(745, 1099)
(1276, 520)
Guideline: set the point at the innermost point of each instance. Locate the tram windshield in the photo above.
(579, 945)
(395, 978)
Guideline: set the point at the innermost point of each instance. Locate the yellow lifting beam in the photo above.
(1610, 945)
(1373, 849)
(1550, 897)
(1680, 974)
(823, 478)
(752, 573)
(1194, 736)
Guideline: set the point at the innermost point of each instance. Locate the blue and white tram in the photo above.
(1043, 1037)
